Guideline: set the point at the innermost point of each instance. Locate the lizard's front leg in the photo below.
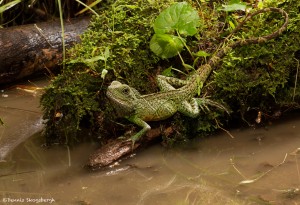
(138, 121)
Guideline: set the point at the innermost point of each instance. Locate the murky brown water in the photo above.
(258, 166)
(20, 111)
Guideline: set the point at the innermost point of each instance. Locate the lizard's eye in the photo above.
(125, 91)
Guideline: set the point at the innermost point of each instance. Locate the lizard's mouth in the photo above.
(122, 107)
(110, 95)
(116, 100)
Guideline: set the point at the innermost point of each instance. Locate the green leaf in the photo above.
(8, 5)
(94, 59)
(260, 5)
(180, 17)
(201, 54)
(166, 46)
(168, 72)
(231, 24)
(188, 67)
(234, 5)
(106, 53)
(103, 73)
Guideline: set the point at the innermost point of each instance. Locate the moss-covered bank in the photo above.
(263, 77)
(117, 41)
(259, 78)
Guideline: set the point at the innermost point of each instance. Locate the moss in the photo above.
(250, 79)
(124, 28)
(254, 77)
(262, 77)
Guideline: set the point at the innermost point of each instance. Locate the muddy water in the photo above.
(258, 166)
(20, 111)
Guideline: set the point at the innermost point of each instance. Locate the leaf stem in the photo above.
(182, 61)
(187, 48)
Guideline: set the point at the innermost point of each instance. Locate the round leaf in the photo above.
(166, 46)
(180, 17)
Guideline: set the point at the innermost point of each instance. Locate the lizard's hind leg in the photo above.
(169, 83)
(189, 107)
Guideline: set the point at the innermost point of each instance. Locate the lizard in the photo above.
(140, 109)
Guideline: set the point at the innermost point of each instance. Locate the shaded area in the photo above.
(28, 12)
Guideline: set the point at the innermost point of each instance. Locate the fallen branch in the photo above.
(32, 48)
(119, 148)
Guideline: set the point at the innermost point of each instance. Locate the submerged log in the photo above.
(119, 148)
(28, 49)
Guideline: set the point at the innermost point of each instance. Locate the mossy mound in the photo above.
(255, 77)
(263, 77)
(122, 32)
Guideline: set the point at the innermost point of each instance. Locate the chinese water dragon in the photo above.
(177, 95)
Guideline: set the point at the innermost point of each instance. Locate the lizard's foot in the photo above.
(204, 101)
(122, 137)
(141, 123)
(132, 145)
(133, 139)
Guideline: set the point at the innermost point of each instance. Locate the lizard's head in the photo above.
(122, 97)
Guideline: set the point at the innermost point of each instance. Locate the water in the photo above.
(20, 111)
(257, 166)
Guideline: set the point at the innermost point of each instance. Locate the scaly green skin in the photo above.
(139, 108)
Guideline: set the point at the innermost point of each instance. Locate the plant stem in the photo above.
(62, 32)
(187, 48)
(181, 58)
(296, 79)
(88, 7)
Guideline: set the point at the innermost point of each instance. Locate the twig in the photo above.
(296, 79)
(249, 181)
(224, 129)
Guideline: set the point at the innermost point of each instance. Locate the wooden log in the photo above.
(117, 149)
(32, 48)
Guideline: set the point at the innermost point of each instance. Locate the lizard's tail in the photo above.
(204, 71)
(254, 40)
